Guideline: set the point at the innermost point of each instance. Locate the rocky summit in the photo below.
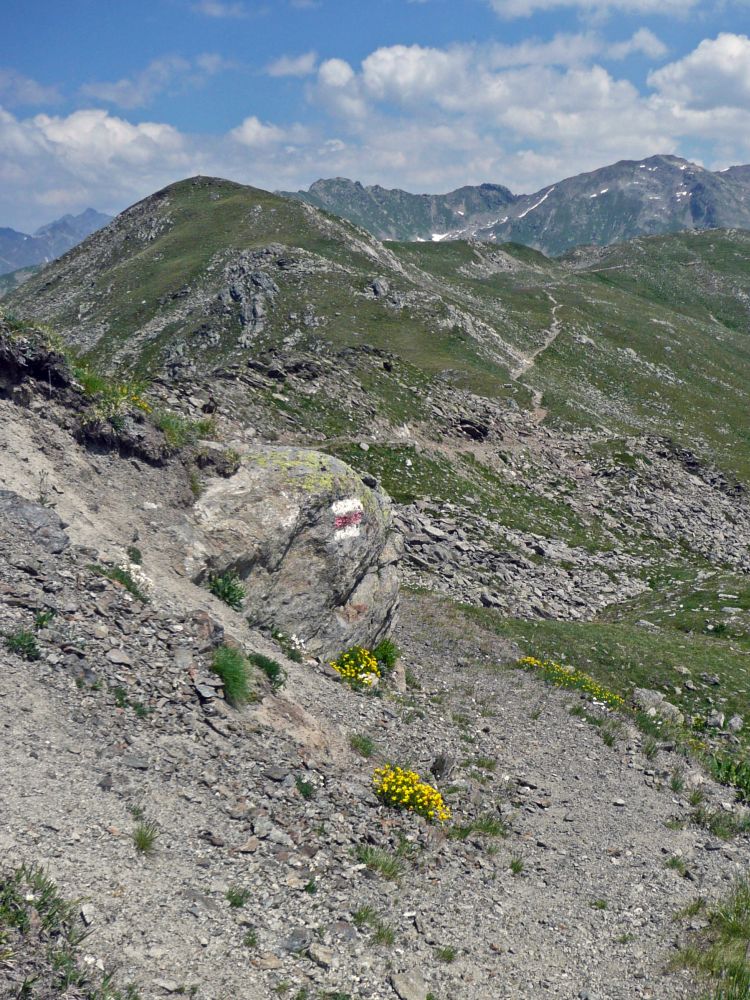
(374, 618)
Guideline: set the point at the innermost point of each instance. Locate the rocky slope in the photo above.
(661, 194)
(274, 868)
(20, 250)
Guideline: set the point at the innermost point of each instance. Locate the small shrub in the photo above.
(733, 771)
(42, 619)
(237, 897)
(357, 667)
(305, 788)
(404, 789)
(135, 555)
(23, 644)
(386, 653)
(231, 667)
(311, 887)
(227, 587)
(273, 670)
(291, 646)
(145, 836)
(123, 577)
(362, 745)
(568, 677)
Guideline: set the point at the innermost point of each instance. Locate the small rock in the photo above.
(298, 941)
(119, 657)
(321, 955)
(408, 986)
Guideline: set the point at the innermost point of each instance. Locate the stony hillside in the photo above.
(20, 250)
(218, 851)
(661, 194)
(563, 444)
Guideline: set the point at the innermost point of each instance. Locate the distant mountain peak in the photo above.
(661, 193)
(19, 250)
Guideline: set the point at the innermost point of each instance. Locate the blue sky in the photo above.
(104, 101)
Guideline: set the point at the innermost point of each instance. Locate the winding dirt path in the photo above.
(538, 412)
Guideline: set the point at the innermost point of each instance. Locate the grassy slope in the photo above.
(666, 323)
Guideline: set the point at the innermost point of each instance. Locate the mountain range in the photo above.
(657, 195)
(21, 250)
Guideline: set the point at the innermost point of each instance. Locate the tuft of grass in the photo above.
(446, 954)
(384, 934)
(676, 781)
(145, 836)
(390, 866)
(179, 431)
(271, 668)
(600, 904)
(135, 555)
(516, 864)
(696, 797)
(650, 748)
(23, 644)
(608, 736)
(362, 745)
(677, 864)
(250, 940)
(40, 934)
(486, 826)
(237, 897)
(364, 916)
(719, 952)
(121, 576)
(227, 587)
(231, 667)
(367, 916)
(721, 824)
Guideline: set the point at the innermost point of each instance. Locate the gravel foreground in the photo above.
(272, 802)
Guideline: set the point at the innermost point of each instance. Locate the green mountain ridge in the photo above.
(647, 337)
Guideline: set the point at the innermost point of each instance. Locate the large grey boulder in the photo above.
(315, 548)
(33, 521)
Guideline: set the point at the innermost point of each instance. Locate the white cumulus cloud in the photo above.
(715, 74)
(303, 65)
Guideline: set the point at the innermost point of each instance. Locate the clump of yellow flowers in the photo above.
(358, 667)
(404, 789)
(569, 677)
